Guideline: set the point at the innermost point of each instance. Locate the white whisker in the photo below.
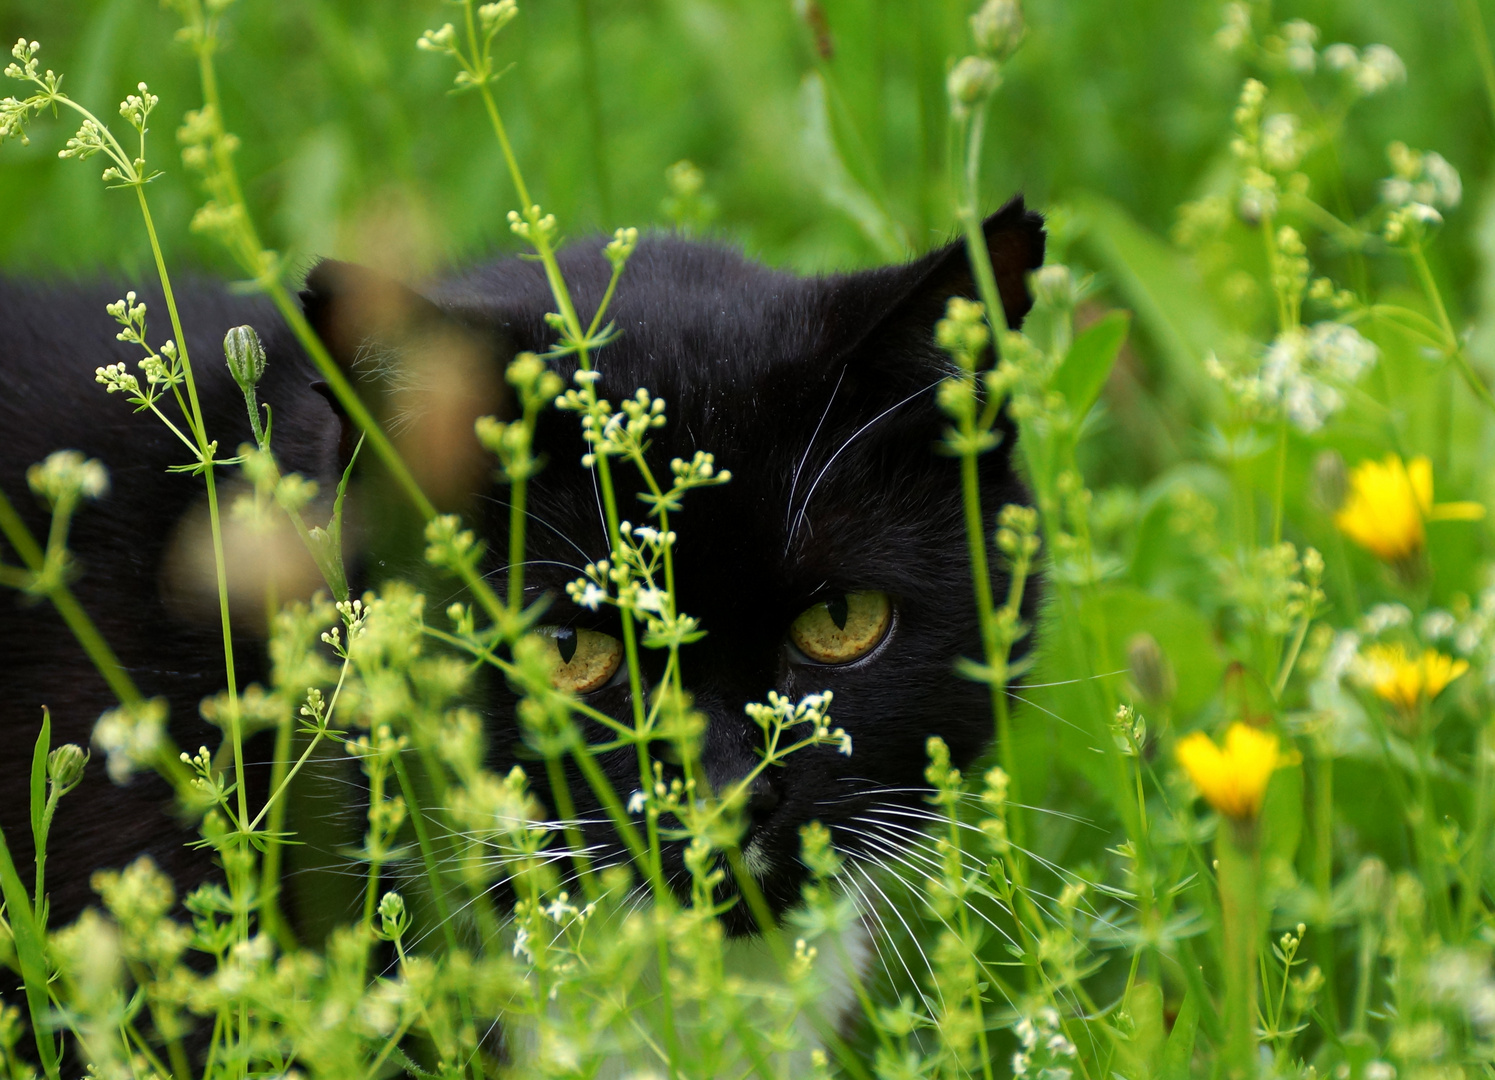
(804, 506)
(794, 479)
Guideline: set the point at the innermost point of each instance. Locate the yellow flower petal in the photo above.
(1234, 779)
(1457, 511)
(1383, 511)
(1388, 502)
(1406, 681)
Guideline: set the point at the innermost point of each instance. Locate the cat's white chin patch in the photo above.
(757, 862)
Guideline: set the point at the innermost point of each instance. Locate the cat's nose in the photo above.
(763, 799)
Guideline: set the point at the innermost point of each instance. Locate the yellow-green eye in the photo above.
(580, 660)
(842, 628)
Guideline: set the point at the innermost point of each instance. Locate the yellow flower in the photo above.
(1233, 779)
(1405, 680)
(1389, 501)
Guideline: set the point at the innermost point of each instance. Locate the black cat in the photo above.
(817, 393)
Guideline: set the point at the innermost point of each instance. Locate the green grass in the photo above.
(1160, 508)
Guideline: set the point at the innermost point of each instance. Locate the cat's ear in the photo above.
(426, 372)
(895, 308)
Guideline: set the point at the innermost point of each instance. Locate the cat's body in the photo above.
(817, 393)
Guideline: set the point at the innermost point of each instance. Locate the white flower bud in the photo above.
(1054, 287)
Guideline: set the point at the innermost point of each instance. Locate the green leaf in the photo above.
(29, 951)
(1178, 1052)
(326, 545)
(1088, 363)
(838, 187)
(39, 778)
(1159, 283)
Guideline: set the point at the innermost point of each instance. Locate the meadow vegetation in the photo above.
(1237, 819)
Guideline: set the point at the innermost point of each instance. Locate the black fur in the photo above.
(818, 394)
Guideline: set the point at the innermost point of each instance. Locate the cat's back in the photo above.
(53, 337)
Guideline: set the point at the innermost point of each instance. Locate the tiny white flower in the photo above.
(1281, 147)
(1301, 37)
(1379, 69)
(1341, 57)
(1385, 617)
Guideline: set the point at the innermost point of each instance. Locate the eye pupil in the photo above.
(565, 644)
(837, 608)
(842, 628)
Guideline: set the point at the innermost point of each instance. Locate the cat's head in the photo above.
(835, 559)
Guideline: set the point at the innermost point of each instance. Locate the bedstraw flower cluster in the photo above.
(781, 715)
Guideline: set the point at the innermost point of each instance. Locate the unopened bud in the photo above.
(1151, 672)
(65, 767)
(998, 28)
(1054, 287)
(972, 81)
(1329, 480)
(1368, 890)
(245, 355)
(392, 915)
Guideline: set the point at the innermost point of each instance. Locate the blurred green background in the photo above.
(824, 145)
(823, 140)
(346, 127)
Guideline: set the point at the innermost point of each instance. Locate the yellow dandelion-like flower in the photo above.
(1404, 680)
(1233, 778)
(1388, 503)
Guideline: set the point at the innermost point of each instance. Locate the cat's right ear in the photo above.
(426, 373)
(892, 311)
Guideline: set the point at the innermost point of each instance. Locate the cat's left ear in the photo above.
(426, 372)
(896, 307)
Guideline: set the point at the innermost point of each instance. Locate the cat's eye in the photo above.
(843, 627)
(580, 660)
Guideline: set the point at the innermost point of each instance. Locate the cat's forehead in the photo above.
(686, 313)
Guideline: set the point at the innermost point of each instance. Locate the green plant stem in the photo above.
(433, 874)
(747, 887)
(1290, 661)
(271, 917)
(30, 944)
(374, 848)
(77, 620)
(220, 563)
(604, 474)
(561, 791)
(1323, 866)
(1280, 486)
(1435, 878)
(518, 494)
(968, 938)
(1451, 343)
(1476, 26)
(1239, 877)
(1472, 902)
(1364, 974)
(592, 95)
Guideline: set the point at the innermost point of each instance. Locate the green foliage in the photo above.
(1243, 377)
